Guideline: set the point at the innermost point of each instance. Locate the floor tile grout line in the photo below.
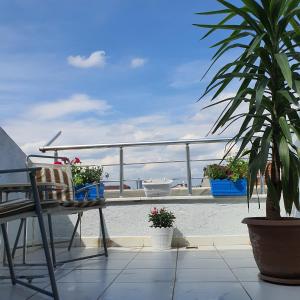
(115, 278)
(241, 284)
(174, 284)
(59, 277)
(48, 285)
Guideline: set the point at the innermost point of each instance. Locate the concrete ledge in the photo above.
(182, 200)
(145, 241)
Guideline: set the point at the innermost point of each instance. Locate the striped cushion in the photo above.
(60, 174)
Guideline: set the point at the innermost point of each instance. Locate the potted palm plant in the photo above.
(263, 41)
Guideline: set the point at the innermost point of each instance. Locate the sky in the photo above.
(107, 72)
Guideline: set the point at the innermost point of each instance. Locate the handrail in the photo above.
(122, 146)
(138, 144)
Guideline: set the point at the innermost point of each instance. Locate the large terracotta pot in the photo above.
(276, 248)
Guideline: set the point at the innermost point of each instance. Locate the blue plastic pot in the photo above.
(227, 187)
(92, 192)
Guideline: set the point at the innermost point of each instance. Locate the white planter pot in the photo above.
(161, 238)
(157, 187)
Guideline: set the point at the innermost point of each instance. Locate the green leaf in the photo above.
(297, 87)
(255, 43)
(228, 27)
(243, 14)
(287, 96)
(285, 129)
(232, 38)
(214, 12)
(283, 63)
(284, 155)
(260, 91)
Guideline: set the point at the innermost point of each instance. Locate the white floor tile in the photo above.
(76, 291)
(204, 275)
(241, 262)
(209, 291)
(198, 263)
(198, 254)
(268, 291)
(86, 276)
(139, 291)
(104, 264)
(246, 274)
(147, 275)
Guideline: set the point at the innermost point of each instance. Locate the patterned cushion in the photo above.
(60, 174)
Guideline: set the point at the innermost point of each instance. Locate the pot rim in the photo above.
(263, 221)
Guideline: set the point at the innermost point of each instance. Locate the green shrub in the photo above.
(234, 169)
(86, 174)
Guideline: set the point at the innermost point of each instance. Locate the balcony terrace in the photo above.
(211, 257)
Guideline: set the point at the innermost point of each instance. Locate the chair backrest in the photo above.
(55, 173)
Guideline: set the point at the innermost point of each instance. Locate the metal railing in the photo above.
(122, 146)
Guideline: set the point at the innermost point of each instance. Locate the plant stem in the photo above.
(272, 205)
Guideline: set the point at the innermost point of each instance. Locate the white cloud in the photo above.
(137, 62)
(151, 127)
(77, 103)
(96, 59)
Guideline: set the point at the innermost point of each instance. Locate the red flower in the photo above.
(76, 160)
(58, 163)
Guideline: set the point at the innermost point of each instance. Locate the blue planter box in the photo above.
(92, 192)
(226, 187)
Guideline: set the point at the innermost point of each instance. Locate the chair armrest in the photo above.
(22, 170)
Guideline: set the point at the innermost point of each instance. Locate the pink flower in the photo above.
(154, 211)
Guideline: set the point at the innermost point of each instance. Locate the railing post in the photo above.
(188, 169)
(121, 171)
(55, 155)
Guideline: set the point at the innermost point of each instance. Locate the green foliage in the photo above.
(86, 174)
(216, 171)
(161, 218)
(263, 41)
(234, 169)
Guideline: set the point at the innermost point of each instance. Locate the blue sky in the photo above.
(38, 36)
(102, 71)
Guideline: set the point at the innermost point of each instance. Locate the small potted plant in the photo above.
(162, 228)
(229, 179)
(87, 181)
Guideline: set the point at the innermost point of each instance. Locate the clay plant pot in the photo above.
(276, 248)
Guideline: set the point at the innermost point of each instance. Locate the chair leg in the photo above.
(74, 231)
(24, 242)
(17, 238)
(4, 250)
(103, 231)
(51, 240)
(38, 210)
(8, 254)
(48, 256)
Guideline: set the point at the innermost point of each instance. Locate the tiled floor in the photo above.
(209, 273)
